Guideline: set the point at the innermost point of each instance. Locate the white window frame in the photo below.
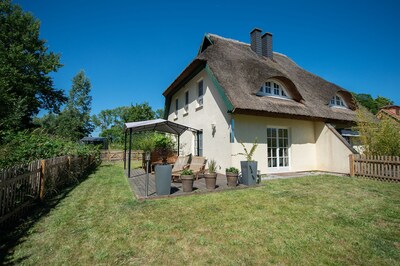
(278, 168)
(270, 87)
(176, 108)
(337, 99)
(186, 106)
(200, 98)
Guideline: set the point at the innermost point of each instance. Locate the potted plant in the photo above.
(249, 167)
(187, 178)
(163, 172)
(211, 175)
(232, 174)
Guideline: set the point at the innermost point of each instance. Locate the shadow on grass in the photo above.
(14, 234)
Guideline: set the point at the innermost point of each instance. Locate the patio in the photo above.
(137, 181)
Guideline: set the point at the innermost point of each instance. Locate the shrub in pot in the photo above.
(232, 174)
(211, 175)
(187, 178)
(249, 167)
(163, 172)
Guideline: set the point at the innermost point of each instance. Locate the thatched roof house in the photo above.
(237, 92)
(240, 72)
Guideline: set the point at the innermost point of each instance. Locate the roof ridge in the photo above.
(227, 39)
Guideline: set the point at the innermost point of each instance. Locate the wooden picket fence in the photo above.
(118, 155)
(378, 167)
(22, 185)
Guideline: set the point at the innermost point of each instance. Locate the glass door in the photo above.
(278, 149)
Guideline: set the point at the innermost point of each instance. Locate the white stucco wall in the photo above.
(302, 154)
(214, 111)
(313, 146)
(332, 153)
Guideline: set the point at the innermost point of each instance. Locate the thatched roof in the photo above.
(241, 72)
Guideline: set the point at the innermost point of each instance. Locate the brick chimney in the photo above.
(255, 36)
(266, 44)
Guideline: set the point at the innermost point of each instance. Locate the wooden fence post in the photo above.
(69, 166)
(351, 163)
(42, 179)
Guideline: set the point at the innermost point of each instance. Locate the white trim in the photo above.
(335, 105)
(281, 90)
(278, 169)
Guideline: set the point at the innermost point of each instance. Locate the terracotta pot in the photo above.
(232, 179)
(187, 183)
(211, 180)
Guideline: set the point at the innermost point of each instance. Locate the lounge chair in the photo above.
(182, 162)
(197, 165)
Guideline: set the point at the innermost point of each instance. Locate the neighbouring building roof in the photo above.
(240, 72)
(392, 111)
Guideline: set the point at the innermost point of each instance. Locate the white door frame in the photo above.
(278, 169)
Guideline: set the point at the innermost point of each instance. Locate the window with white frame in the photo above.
(186, 101)
(278, 148)
(198, 143)
(337, 101)
(273, 88)
(200, 92)
(176, 107)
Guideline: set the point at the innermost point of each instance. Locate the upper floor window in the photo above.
(200, 91)
(337, 101)
(186, 101)
(176, 107)
(273, 88)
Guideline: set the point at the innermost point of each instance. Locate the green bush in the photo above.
(378, 137)
(27, 146)
(232, 169)
(187, 172)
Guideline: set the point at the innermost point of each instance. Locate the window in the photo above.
(186, 101)
(176, 107)
(232, 132)
(278, 147)
(198, 143)
(273, 88)
(200, 94)
(337, 101)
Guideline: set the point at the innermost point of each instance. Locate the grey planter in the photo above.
(163, 174)
(187, 183)
(249, 173)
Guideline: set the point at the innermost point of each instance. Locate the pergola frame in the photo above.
(160, 125)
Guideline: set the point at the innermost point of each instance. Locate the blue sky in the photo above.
(132, 50)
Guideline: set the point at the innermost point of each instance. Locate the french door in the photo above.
(278, 149)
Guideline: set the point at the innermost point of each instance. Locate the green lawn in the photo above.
(310, 220)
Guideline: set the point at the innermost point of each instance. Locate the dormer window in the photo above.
(337, 101)
(274, 89)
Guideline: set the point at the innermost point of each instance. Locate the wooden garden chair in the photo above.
(181, 163)
(197, 165)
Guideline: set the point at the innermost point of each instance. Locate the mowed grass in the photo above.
(310, 220)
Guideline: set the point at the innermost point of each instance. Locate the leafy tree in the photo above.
(373, 105)
(160, 113)
(111, 121)
(382, 101)
(378, 137)
(25, 64)
(75, 120)
(367, 101)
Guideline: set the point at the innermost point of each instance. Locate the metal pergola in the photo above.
(160, 125)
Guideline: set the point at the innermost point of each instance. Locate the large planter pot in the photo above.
(249, 172)
(211, 180)
(163, 174)
(187, 183)
(232, 179)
